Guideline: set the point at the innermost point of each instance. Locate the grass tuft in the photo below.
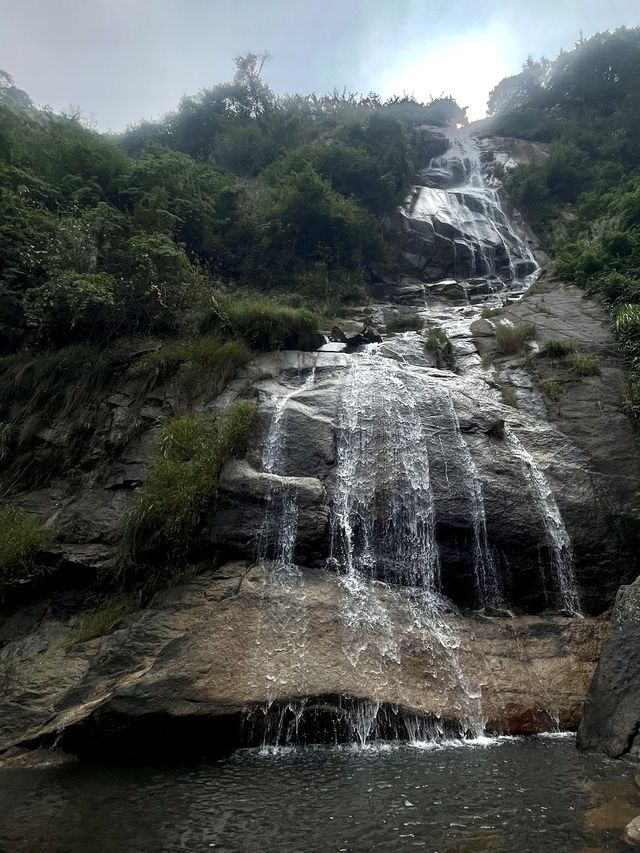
(513, 339)
(438, 345)
(552, 389)
(264, 324)
(487, 312)
(555, 348)
(184, 481)
(102, 620)
(509, 397)
(405, 323)
(581, 364)
(21, 538)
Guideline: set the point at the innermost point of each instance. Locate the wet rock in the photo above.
(240, 511)
(612, 709)
(353, 333)
(197, 658)
(483, 328)
(614, 814)
(348, 331)
(431, 141)
(333, 346)
(632, 832)
(34, 758)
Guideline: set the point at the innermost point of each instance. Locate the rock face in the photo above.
(611, 719)
(395, 505)
(453, 222)
(197, 655)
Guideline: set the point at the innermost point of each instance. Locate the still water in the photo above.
(528, 795)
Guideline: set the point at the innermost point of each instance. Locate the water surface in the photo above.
(527, 795)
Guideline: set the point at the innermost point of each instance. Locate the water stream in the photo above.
(395, 416)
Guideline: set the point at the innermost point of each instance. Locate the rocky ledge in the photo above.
(188, 671)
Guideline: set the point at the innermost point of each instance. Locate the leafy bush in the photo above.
(264, 324)
(513, 339)
(184, 481)
(405, 323)
(71, 305)
(21, 537)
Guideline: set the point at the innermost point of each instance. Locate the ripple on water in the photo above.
(500, 794)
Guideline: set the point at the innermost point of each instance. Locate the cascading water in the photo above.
(281, 625)
(460, 220)
(557, 538)
(383, 522)
(396, 424)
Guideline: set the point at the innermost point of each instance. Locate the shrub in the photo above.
(439, 346)
(21, 537)
(554, 348)
(205, 363)
(581, 364)
(184, 481)
(264, 324)
(405, 323)
(512, 339)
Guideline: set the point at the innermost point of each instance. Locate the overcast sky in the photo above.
(123, 60)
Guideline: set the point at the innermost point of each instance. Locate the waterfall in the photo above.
(455, 204)
(283, 613)
(557, 538)
(383, 518)
(279, 528)
(485, 572)
(404, 474)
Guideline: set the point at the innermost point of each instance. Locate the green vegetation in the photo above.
(513, 339)
(236, 190)
(264, 324)
(39, 390)
(102, 620)
(439, 346)
(487, 312)
(581, 364)
(21, 538)
(584, 199)
(405, 323)
(184, 483)
(551, 388)
(204, 363)
(509, 397)
(554, 348)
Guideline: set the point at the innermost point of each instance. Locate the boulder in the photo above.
(632, 832)
(482, 328)
(612, 710)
